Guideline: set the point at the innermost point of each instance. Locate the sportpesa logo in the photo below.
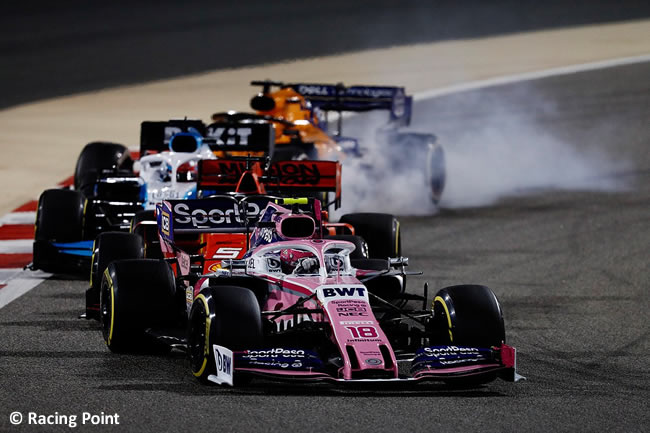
(442, 351)
(201, 218)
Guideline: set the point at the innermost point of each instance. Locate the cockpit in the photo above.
(303, 260)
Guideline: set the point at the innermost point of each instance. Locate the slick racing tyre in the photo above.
(135, 295)
(96, 157)
(228, 316)
(361, 246)
(423, 153)
(436, 171)
(467, 315)
(144, 225)
(59, 218)
(108, 247)
(381, 232)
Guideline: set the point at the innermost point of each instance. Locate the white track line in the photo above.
(7, 274)
(21, 284)
(526, 76)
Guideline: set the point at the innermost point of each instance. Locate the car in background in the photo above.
(112, 189)
(217, 225)
(308, 120)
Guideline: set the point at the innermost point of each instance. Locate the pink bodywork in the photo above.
(344, 300)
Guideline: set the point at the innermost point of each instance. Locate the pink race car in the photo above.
(303, 306)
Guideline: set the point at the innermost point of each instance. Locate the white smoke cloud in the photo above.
(496, 146)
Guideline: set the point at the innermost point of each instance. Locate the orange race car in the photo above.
(303, 128)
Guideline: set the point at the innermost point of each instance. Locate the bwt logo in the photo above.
(344, 291)
(230, 136)
(200, 217)
(223, 362)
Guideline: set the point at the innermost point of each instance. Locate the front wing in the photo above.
(433, 363)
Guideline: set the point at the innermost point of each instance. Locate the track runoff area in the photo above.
(17, 227)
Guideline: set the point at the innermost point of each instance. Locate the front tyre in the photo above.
(135, 295)
(94, 159)
(59, 218)
(228, 316)
(108, 247)
(468, 315)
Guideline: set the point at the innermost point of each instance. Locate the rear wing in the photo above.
(338, 97)
(281, 176)
(241, 137)
(155, 135)
(220, 214)
(220, 136)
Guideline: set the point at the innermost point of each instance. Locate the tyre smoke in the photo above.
(499, 142)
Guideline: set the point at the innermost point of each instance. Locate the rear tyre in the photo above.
(361, 246)
(59, 218)
(381, 232)
(424, 154)
(436, 171)
(468, 315)
(228, 316)
(96, 157)
(108, 247)
(135, 295)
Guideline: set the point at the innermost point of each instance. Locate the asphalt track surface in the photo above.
(570, 268)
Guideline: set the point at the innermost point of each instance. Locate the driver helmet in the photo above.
(291, 258)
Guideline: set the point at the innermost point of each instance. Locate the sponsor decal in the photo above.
(296, 173)
(230, 136)
(344, 291)
(371, 92)
(282, 358)
(274, 353)
(352, 310)
(442, 356)
(359, 332)
(157, 196)
(373, 361)
(223, 361)
(313, 90)
(183, 262)
(165, 223)
(227, 253)
(286, 172)
(273, 264)
(201, 218)
(329, 293)
(189, 296)
(357, 322)
(442, 351)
